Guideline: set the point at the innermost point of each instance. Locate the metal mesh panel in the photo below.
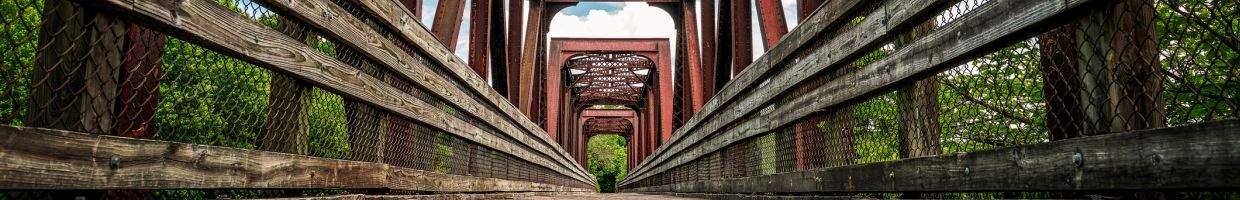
(70, 67)
(1126, 65)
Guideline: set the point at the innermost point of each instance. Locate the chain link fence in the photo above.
(72, 67)
(1126, 65)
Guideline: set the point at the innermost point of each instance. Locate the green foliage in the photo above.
(208, 98)
(443, 152)
(607, 158)
(18, 44)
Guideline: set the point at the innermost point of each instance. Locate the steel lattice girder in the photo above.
(607, 125)
(612, 78)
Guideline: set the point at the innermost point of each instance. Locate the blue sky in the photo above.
(582, 9)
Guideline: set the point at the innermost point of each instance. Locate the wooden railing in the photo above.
(787, 124)
(477, 142)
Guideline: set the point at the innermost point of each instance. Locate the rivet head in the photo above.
(1078, 159)
(114, 163)
(967, 171)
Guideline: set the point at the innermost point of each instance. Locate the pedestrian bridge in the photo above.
(359, 99)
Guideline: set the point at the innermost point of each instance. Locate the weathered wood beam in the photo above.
(356, 34)
(1192, 157)
(794, 42)
(447, 22)
(36, 158)
(727, 95)
(210, 25)
(389, 14)
(980, 31)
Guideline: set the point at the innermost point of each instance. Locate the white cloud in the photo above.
(634, 20)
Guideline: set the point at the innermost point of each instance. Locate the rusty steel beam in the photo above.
(771, 21)
(513, 51)
(742, 41)
(414, 6)
(479, 37)
(723, 44)
(526, 67)
(499, 57)
(448, 22)
(805, 8)
(697, 84)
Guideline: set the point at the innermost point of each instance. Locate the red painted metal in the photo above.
(448, 21)
(414, 6)
(805, 8)
(139, 82)
(771, 21)
(513, 50)
(479, 37)
(710, 64)
(742, 41)
(606, 125)
(697, 84)
(610, 78)
(499, 57)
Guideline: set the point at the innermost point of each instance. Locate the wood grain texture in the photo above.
(358, 35)
(35, 158)
(793, 41)
(871, 32)
(32, 158)
(391, 15)
(1194, 157)
(208, 24)
(973, 34)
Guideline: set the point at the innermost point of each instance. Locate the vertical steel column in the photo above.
(742, 41)
(709, 64)
(479, 37)
(664, 102)
(499, 57)
(805, 8)
(771, 21)
(529, 55)
(414, 6)
(514, 58)
(448, 22)
(697, 95)
(553, 86)
(723, 52)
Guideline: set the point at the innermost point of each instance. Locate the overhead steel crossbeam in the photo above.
(608, 78)
(607, 125)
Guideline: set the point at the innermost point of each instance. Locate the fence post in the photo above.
(1120, 75)
(365, 123)
(919, 111)
(288, 104)
(95, 74)
(919, 107)
(1102, 75)
(73, 82)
